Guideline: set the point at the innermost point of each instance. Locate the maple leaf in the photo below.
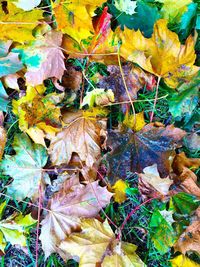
(38, 114)
(23, 4)
(101, 46)
(162, 54)
(43, 58)
(82, 136)
(18, 24)
(3, 135)
(14, 228)
(183, 261)
(75, 18)
(72, 202)
(96, 245)
(132, 152)
(172, 11)
(135, 79)
(25, 167)
(150, 182)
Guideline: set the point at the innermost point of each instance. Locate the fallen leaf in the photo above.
(134, 121)
(74, 18)
(98, 97)
(190, 239)
(119, 189)
(38, 114)
(135, 79)
(72, 78)
(23, 4)
(162, 233)
(18, 24)
(14, 228)
(82, 136)
(126, 6)
(43, 58)
(132, 152)
(72, 202)
(192, 141)
(11, 81)
(150, 182)
(162, 54)
(172, 11)
(92, 246)
(182, 261)
(3, 98)
(25, 168)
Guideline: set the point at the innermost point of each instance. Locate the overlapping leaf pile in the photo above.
(72, 132)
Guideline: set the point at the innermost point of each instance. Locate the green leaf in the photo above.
(139, 19)
(3, 98)
(2, 207)
(14, 229)
(185, 101)
(184, 203)
(162, 233)
(186, 22)
(25, 167)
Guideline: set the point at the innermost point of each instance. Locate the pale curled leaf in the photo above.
(72, 202)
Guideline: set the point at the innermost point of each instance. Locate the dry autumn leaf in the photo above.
(150, 182)
(3, 135)
(119, 189)
(132, 152)
(96, 246)
(72, 202)
(162, 54)
(82, 136)
(183, 261)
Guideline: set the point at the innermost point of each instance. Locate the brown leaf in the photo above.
(72, 202)
(82, 136)
(72, 78)
(150, 182)
(135, 79)
(132, 152)
(190, 239)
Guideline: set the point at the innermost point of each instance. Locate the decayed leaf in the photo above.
(162, 54)
(135, 122)
(132, 152)
(38, 114)
(75, 18)
(26, 5)
(119, 189)
(18, 24)
(173, 10)
(182, 261)
(43, 58)
(190, 239)
(3, 136)
(96, 245)
(14, 228)
(72, 202)
(72, 78)
(135, 79)
(98, 97)
(25, 167)
(163, 234)
(82, 136)
(150, 182)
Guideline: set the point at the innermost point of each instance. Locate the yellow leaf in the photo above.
(75, 18)
(135, 122)
(38, 114)
(183, 261)
(173, 10)
(120, 191)
(18, 24)
(162, 54)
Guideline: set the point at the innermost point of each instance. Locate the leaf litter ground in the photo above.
(117, 155)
